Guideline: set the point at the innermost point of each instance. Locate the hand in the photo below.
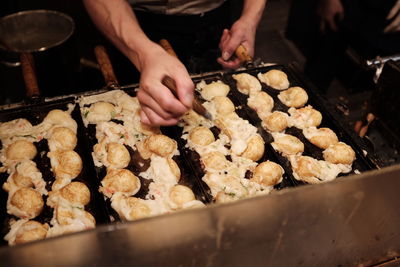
(159, 105)
(329, 11)
(394, 14)
(241, 33)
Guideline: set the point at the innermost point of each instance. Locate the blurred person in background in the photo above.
(324, 29)
(198, 30)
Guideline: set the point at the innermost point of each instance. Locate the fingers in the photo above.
(231, 64)
(332, 23)
(394, 26)
(185, 89)
(149, 117)
(146, 99)
(163, 99)
(229, 46)
(395, 9)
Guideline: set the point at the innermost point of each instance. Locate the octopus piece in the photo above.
(277, 121)
(275, 78)
(223, 105)
(161, 145)
(25, 203)
(130, 208)
(59, 118)
(255, 148)
(179, 195)
(322, 137)
(214, 89)
(305, 117)
(287, 144)
(24, 231)
(214, 161)
(62, 138)
(123, 181)
(117, 155)
(295, 97)
(262, 103)
(339, 153)
(21, 150)
(246, 83)
(100, 111)
(201, 136)
(65, 164)
(267, 173)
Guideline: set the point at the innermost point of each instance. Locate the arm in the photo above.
(243, 32)
(118, 22)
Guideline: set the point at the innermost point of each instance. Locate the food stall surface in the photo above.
(348, 222)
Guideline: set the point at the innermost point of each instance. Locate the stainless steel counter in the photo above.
(351, 221)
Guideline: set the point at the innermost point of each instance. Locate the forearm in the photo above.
(252, 12)
(118, 22)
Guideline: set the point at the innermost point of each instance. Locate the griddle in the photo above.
(188, 160)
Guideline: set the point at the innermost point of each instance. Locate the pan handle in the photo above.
(241, 53)
(106, 67)
(28, 72)
(167, 47)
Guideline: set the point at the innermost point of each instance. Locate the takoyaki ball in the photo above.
(76, 193)
(255, 148)
(275, 78)
(123, 181)
(161, 145)
(306, 169)
(215, 160)
(59, 183)
(174, 169)
(261, 102)
(246, 83)
(25, 203)
(305, 117)
(144, 152)
(234, 188)
(180, 194)
(277, 121)
(222, 124)
(267, 173)
(214, 89)
(101, 111)
(31, 231)
(288, 144)
(322, 137)
(21, 150)
(339, 153)
(130, 208)
(138, 209)
(149, 130)
(293, 97)
(223, 105)
(70, 216)
(201, 136)
(66, 164)
(60, 118)
(117, 155)
(62, 138)
(21, 180)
